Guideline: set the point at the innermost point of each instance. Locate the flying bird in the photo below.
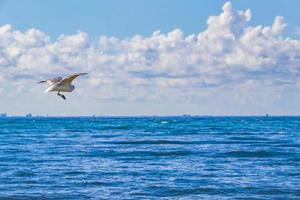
(59, 84)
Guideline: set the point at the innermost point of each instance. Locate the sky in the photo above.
(151, 57)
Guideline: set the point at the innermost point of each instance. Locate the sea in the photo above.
(150, 158)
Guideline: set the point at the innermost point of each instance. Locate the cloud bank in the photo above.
(229, 60)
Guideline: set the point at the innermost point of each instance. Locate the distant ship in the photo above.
(2, 115)
(29, 115)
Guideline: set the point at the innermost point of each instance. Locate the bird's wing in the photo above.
(52, 80)
(68, 80)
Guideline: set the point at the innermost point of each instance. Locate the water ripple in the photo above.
(150, 158)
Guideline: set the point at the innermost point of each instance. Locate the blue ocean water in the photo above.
(150, 158)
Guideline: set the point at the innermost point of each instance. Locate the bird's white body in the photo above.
(59, 84)
(60, 88)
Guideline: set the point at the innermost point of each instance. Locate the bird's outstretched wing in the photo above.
(68, 80)
(52, 80)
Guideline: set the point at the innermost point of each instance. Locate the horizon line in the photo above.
(135, 116)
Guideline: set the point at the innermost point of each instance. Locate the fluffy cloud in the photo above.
(228, 58)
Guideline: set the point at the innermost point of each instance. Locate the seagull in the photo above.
(59, 84)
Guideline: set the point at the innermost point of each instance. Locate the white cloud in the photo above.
(228, 58)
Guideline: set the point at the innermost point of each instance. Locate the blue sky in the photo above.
(151, 57)
(129, 17)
